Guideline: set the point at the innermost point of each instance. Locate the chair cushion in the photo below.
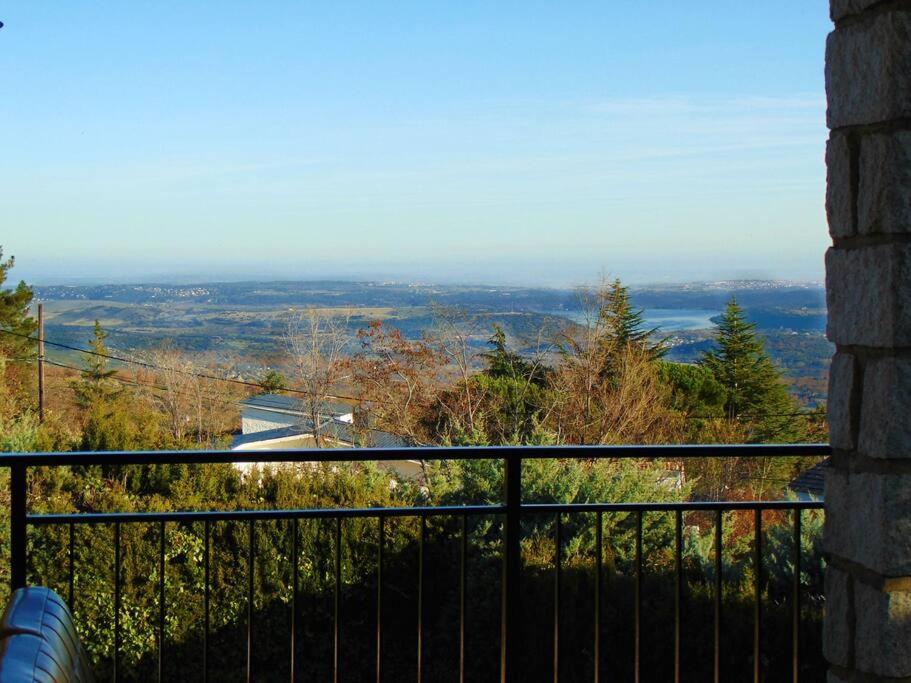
(39, 642)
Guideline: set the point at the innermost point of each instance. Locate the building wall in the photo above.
(868, 283)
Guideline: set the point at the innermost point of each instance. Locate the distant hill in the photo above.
(249, 319)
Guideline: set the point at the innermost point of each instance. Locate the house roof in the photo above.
(812, 481)
(336, 429)
(292, 404)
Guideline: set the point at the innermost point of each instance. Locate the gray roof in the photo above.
(812, 481)
(336, 429)
(292, 404)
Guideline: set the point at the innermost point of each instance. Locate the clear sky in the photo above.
(527, 142)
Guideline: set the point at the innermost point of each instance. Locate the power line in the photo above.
(137, 383)
(256, 385)
(153, 366)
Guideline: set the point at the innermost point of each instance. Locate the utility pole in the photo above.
(41, 362)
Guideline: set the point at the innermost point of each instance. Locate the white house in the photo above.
(273, 421)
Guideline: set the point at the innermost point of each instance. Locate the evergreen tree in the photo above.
(272, 381)
(15, 321)
(503, 363)
(108, 426)
(96, 385)
(623, 324)
(512, 390)
(753, 387)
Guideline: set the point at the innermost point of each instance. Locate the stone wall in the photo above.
(868, 202)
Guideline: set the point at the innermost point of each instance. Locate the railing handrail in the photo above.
(360, 454)
(512, 508)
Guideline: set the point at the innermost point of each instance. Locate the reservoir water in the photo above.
(668, 319)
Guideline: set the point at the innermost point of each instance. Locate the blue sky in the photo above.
(524, 142)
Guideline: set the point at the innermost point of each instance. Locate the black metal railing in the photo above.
(512, 509)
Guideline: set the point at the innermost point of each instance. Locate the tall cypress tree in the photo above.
(753, 386)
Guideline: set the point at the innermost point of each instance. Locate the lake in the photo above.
(668, 319)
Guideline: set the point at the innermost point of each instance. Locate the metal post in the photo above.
(795, 602)
(463, 576)
(18, 493)
(421, 543)
(678, 592)
(41, 362)
(337, 606)
(512, 569)
(757, 589)
(251, 608)
(637, 654)
(161, 602)
(117, 601)
(294, 591)
(718, 596)
(206, 590)
(558, 544)
(379, 599)
(599, 572)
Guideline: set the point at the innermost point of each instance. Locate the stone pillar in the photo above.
(868, 283)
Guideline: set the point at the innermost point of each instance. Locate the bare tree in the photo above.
(398, 379)
(174, 386)
(608, 391)
(316, 342)
(194, 403)
(454, 330)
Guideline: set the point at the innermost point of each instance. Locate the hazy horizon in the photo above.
(531, 144)
(178, 281)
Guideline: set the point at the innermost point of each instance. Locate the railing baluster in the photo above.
(336, 639)
(638, 657)
(72, 573)
(511, 618)
(116, 601)
(161, 603)
(463, 566)
(421, 542)
(251, 570)
(205, 600)
(757, 589)
(678, 589)
(18, 547)
(558, 543)
(599, 569)
(294, 607)
(795, 601)
(718, 595)
(379, 599)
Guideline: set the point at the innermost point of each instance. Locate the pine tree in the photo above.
(272, 381)
(623, 324)
(753, 386)
(108, 426)
(16, 328)
(503, 363)
(96, 384)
